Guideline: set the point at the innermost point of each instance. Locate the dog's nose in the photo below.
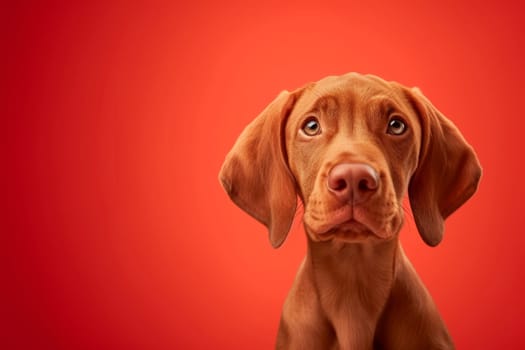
(353, 182)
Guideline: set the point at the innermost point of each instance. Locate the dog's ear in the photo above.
(447, 174)
(255, 173)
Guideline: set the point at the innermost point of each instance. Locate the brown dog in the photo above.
(351, 147)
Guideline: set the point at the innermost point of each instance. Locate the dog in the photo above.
(351, 148)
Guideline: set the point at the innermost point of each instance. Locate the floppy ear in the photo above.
(255, 173)
(448, 172)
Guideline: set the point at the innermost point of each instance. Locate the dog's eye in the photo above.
(396, 126)
(311, 127)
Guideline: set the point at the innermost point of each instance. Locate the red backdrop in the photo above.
(115, 232)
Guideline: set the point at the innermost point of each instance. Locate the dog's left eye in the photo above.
(396, 126)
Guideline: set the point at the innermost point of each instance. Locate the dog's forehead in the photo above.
(354, 82)
(349, 89)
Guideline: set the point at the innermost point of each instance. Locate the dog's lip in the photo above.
(336, 218)
(344, 222)
(350, 226)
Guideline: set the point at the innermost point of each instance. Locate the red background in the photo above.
(115, 232)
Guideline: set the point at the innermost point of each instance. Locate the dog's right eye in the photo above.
(311, 127)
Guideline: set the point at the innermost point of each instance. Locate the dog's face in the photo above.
(351, 147)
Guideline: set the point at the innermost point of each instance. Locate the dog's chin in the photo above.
(349, 231)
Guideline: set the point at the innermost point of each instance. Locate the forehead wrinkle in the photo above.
(364, 104)
(385, 103)
(345, 98)
(327, 104)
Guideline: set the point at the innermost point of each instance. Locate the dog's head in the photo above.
(351, 147)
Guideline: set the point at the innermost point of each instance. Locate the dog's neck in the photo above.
(342, 260)
(357, 277)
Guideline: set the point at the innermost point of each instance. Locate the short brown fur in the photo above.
(355, 289)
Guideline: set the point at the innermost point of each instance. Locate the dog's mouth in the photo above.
(348, 231)
(349, 226)
(344, 225)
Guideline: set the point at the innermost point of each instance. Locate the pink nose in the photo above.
(353, 182)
